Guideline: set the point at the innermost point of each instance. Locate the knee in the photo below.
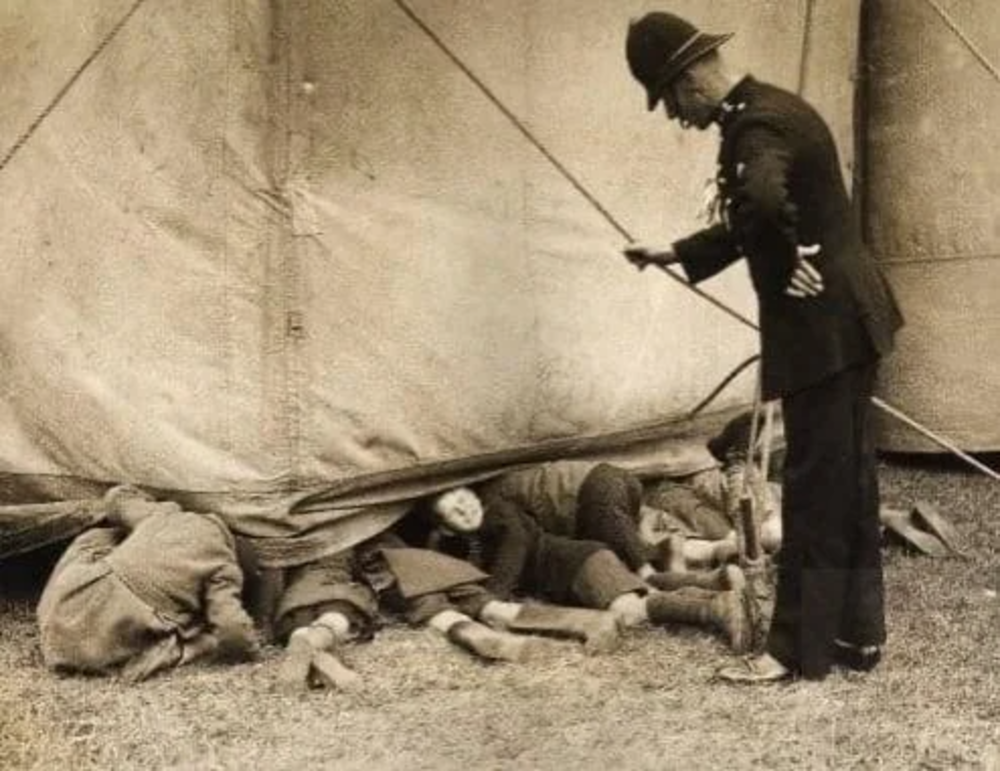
(607, 477)
(609, 487)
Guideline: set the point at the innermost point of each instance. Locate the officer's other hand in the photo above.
(806, 280)
(644, 255)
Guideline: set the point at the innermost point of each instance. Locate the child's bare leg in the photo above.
(596, 629)
(477, 638)
(308, 656)
(500, 614)
(684, 552)
(328, 671)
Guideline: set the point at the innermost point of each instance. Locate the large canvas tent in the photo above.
(288, 261)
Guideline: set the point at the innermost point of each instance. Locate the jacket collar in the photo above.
(735, 101)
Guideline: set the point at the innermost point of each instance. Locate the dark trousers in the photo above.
(830, 563)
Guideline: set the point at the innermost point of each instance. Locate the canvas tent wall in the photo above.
(268, 256)
(931, 197)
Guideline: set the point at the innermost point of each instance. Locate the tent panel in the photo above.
(135, 316)
(38, 54)
(253, 253)
(942, 374)
(932, 197)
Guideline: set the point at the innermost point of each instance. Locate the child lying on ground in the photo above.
(156, 588)
(578, 499)
(522, 558)
(339, 598)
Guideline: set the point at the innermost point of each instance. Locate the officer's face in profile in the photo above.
(686, 103)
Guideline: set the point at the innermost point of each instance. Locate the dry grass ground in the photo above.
(933, 704)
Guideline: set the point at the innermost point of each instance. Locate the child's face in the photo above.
(459, 510)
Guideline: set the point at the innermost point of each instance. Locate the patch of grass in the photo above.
(933, 704)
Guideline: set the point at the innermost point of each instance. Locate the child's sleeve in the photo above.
(226, 616)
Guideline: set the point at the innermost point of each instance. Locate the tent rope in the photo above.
(807, 25)
(549, 156)
(517, 123)
(969, 43)
(60, 95)
(721, 386)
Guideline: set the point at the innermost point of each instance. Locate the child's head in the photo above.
(732, 444)
(458, 510)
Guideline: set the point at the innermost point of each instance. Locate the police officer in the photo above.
(826, 318)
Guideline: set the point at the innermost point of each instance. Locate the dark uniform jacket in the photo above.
(780, 185)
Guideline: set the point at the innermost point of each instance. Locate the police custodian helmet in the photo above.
(660, 46)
